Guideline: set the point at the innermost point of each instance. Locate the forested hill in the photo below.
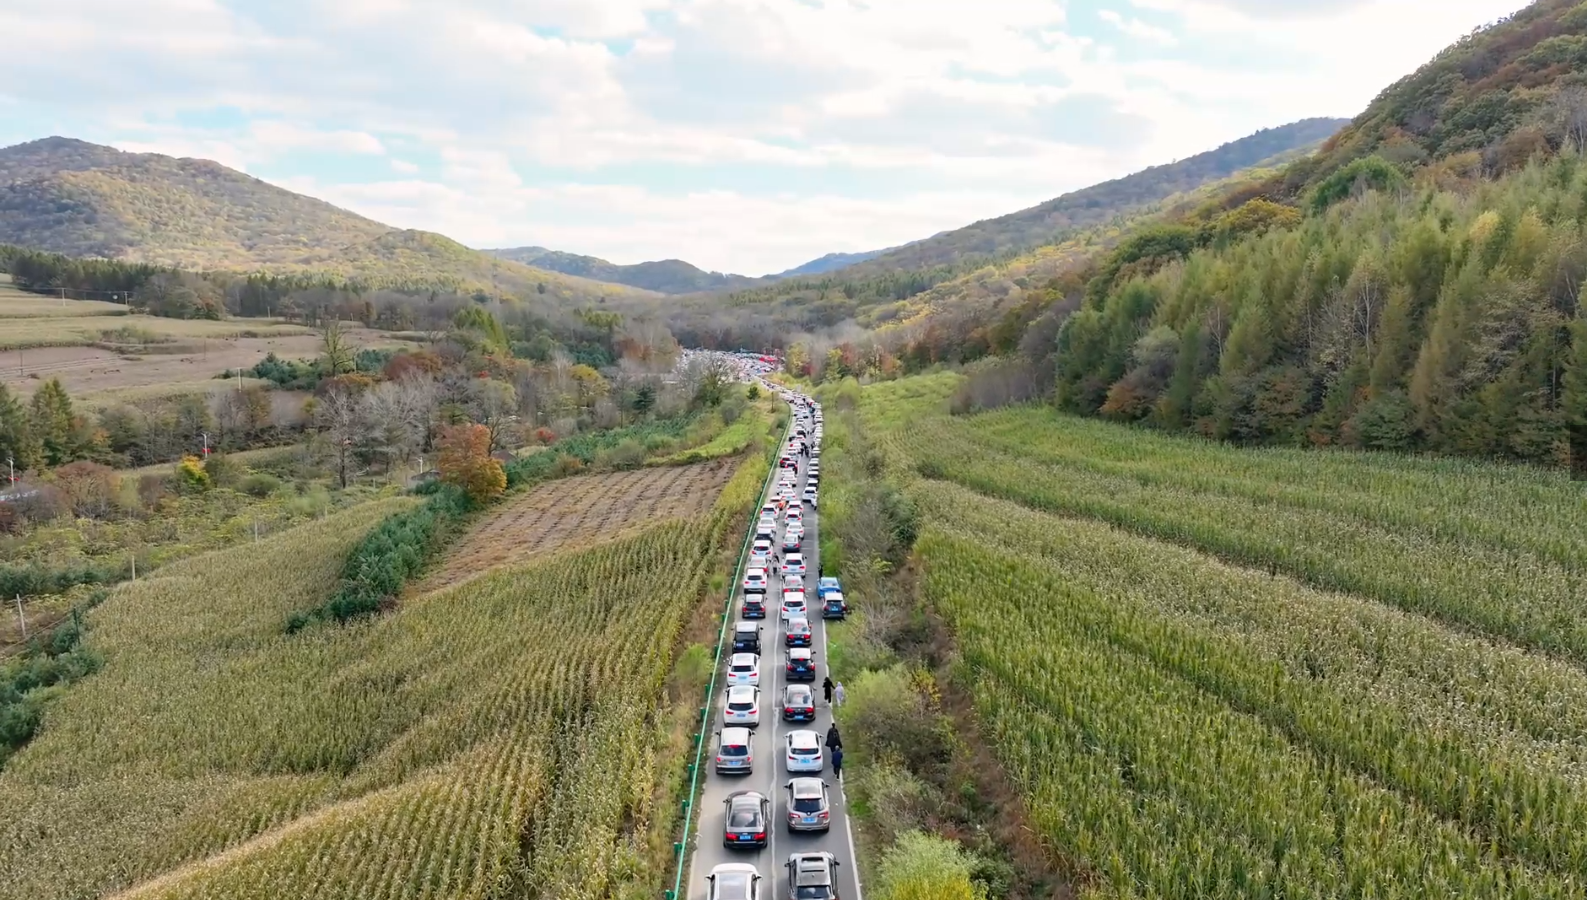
(666, 276)
(1418, 288)
(84, 200)
(1492, 100)
(1048, 222)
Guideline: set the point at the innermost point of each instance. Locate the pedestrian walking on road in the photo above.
(837, 694)
(837, 763)
(834, 740)
(826, 688)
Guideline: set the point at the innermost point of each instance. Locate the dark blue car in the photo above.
(801, 664)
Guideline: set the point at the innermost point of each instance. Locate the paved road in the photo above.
(769, 773)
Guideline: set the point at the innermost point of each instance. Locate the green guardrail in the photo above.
(681, 846)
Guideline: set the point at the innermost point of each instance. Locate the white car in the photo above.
(793, 605)
(743, 706)
(803, 752)
(755, 580)
(793, 564)
(744, 668)
(734, 881)
(795, 514)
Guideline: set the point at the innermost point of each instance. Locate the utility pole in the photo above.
(22, 618)
(12, 463)
(206, 444)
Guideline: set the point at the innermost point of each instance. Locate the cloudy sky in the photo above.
(741, 135)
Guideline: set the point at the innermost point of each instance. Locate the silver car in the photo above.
(809, 808)
(812, 876)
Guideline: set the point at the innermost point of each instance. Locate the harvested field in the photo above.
(581, 512)
(187, 365)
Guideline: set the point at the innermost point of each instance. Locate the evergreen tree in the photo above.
(18, 441)
(54, 423)
(1573, 400)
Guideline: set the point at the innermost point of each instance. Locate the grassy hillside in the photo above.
(80, 199)
(1223, 672)
(667, 276)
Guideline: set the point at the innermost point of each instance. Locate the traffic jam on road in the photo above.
(778, 754)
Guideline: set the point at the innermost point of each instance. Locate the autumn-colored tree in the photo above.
(466, 462)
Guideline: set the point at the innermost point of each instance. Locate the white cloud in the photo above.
(1136, 28)
(762, 115)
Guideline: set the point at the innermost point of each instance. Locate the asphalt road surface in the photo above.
(770, 773)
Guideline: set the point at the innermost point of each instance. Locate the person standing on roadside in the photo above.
(837, 694)
(837, 763)
(826, 688)
(834, 740)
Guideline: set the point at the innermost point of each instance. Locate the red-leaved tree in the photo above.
(466, 462)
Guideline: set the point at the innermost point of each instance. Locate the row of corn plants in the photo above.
(1162, 789)
(497, 739)
(1526, 598)
(1402, 717)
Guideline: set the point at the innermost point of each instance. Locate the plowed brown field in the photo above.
(580, 512)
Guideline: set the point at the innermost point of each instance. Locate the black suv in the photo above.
(746, 638)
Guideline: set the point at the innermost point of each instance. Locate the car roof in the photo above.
(797, 689)
(740, 692)
(736, 734)
(746, 796)
(746, 626)
(806, 788)
(798, 622)
(804, 738)
(744, 659)
(800, 653)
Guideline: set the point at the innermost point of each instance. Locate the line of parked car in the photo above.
(811, 875)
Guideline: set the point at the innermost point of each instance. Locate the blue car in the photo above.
(827, 583)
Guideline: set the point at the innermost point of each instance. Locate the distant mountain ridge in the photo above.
(831, 262)
(666, 276)
(1047, 222)
(80, 199)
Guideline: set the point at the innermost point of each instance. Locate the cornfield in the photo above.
(1230, 673)
(499, 739)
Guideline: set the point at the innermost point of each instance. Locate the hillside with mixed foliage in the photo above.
(84, 200)
(1491, 101)
(1049, 222)
(881, 290)
(1415, 285)
(666, 276)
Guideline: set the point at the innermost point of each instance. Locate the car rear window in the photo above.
(744, 817)
(741, 705)
(807, 804)
(734, 750)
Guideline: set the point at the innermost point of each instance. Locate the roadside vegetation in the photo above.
(1207, 669)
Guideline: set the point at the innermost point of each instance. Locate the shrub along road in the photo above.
(770, 773)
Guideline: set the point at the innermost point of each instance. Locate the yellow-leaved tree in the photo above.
(924, 866)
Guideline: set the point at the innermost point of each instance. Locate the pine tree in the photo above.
(17, 439)
(52, 423)
(1573, 400)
